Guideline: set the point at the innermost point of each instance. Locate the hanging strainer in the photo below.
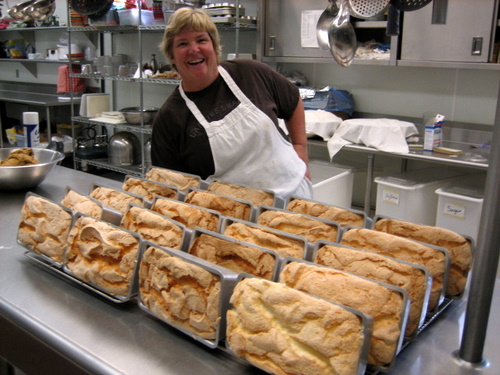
(367, 8)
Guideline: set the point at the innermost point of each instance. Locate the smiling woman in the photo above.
(222, 120)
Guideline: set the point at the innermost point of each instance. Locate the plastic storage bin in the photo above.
(410, 196)
(460, 205)
(332, 183)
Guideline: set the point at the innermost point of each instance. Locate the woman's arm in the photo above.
(296, 126)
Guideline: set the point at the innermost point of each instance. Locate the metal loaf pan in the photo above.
(148, 203)
(132, 292)
(69, 188)
(366, 220)
(197, 232)
(186, 235)
(278, 201)
(305, 245)
(109, 214)
(424, 270)
(202, 184)
(253, 209)
(228, 280)
(403, 317)
(190, 230)
(467, 237)
(446, 269)
(367, 323)
(35, 254)
(310, 245)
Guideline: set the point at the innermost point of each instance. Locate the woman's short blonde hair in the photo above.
(189, 19)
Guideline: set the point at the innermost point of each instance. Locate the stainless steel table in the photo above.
(50, 325)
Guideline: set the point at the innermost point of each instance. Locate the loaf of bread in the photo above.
(181, 293)
(284, 331)
(80, 203)
(384, 269)
(256, 196)
(103, 255)
(282, 243)
(227, 206)
(153, 227)
(233, 255)
(385, 305)
(192, 217)
(114, 199)
(342, 216)
(44, 227)
(148, 189)
(19, 157)
(310, 228)
(459, 248)
(180, 180)
(402, 248)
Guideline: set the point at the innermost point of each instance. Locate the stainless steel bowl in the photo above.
(133, 115)
(28, 176)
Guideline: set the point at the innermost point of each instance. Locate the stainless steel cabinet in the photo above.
(467, 36)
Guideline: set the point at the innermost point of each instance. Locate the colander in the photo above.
(366, 8)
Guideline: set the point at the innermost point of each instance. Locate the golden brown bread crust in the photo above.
(191, 217)
(383, 304)
(256, 196)
(103, 255)
(19, 157)
(44, 227)
(148, 189)
(380, 268)
(173, 178)
(313, 230)
(402, 248)
(225, 205)
(284, 331)
(114, 199)
(80, 203)
(283, 245)
(182, 293)
(324, 211)
(236, 257)
(153, 227)
(459, 248)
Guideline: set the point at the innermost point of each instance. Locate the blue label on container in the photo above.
(32, 135)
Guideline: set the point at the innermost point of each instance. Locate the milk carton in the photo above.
(433, 135)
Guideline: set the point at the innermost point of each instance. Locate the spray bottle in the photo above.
(31, 129)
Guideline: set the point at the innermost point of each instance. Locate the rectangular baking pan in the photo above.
(148, 203)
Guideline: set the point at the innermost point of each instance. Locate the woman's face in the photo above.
(195, 59)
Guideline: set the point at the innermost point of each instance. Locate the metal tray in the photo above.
(132, 292)
(403, 314)
(148, 203)
(224, 9)
(228, 280)
(427, 279)
(198, 232)
(39, 256)
(366, 320)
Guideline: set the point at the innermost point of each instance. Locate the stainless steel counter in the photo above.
(50, 325)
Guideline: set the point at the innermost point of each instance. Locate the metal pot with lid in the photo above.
(124, 149)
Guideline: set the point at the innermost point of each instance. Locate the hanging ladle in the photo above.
(342, 37)
(324, 22)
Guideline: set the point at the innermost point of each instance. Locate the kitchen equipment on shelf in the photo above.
(397, 6)
(366, 8)
(341, 35)
(323, 26)
(33, 10)
(133, 115)
(28, 176)
(94, 9)
(124, 149)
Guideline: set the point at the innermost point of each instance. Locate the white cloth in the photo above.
(322, 123)
(249, 150)
(382, 134)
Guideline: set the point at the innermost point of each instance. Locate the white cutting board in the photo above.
(94, 104)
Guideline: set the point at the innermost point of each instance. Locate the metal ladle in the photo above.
(342, 37)
(324, 22)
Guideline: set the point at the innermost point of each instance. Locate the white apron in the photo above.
(249, 150)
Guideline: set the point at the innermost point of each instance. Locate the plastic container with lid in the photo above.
(410, 196)
(460, 205)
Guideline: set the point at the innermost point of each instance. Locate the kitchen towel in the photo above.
(382, 134)
(322, 123)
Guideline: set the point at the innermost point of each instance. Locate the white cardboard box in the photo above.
(410, 196)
